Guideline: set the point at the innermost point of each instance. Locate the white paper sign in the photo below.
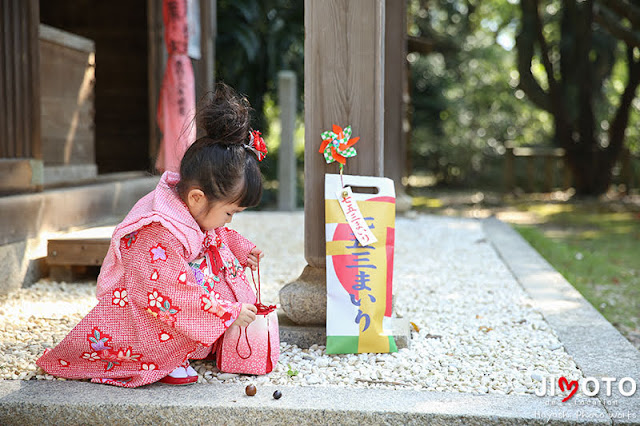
(354, 217)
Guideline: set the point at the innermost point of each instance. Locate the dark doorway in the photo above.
(119, 31)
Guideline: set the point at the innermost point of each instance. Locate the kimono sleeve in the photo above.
(161, 283)
(239, 245)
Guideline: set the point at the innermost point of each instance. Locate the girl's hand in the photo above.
(246, 316)
(254, 256)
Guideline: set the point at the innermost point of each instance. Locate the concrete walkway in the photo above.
(596, 347)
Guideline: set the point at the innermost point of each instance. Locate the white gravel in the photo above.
(477, 331)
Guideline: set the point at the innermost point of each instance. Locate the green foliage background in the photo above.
(465, 101)
(257, 39)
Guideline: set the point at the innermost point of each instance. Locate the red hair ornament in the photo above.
(257, 145)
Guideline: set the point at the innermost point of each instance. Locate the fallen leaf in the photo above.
(415, 326)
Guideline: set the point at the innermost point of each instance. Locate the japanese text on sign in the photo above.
(362, 278)
(354, 217)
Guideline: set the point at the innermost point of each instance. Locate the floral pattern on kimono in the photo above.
(150, 323)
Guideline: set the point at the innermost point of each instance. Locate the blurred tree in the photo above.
(256, 39)
(465, 101)
(567, 54)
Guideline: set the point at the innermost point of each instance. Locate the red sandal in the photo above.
(183, 375)
(179, 380)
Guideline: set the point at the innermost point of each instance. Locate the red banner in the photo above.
(177, 104)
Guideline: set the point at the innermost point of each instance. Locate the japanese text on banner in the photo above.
(354, 217)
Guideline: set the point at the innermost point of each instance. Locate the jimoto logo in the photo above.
(589, 386)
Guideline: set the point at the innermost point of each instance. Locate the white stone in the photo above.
(444, 281)
(313, 379)
(322, 362)
(227, 376)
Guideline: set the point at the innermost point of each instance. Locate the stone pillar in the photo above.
(395, 105)
(287, 97)
(344, 85)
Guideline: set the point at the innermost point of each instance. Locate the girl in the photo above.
(172, 281)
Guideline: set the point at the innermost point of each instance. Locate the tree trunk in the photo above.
(590, 169)
(576, 86)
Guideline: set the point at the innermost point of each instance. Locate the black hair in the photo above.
(219, 162)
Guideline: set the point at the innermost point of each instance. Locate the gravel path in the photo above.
(477, 331)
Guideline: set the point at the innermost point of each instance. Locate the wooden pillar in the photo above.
(20, 142)
(395, 82)
(156, 62)
(203, 68)
(344, 85)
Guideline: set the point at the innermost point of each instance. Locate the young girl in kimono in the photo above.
(173, 279)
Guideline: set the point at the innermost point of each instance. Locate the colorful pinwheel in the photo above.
(338, 145)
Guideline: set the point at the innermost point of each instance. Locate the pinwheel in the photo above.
(337, 145)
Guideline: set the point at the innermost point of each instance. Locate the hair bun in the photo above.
(224, 116)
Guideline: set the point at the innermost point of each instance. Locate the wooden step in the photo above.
(78, 253)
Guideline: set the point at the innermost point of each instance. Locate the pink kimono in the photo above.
(158, 303)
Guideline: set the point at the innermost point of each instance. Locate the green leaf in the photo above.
(291, 372)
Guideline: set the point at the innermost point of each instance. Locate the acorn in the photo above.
(250, 390)
(277, 395)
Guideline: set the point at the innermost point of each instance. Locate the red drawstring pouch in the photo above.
(253, 349)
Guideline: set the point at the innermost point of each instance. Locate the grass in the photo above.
(597, 251)
(595, 245)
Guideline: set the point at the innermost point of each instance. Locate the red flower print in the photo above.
(166, 317)
(155, 299)
(158, 253)
(108, 355)
(126, 355)
(160, 306)
(212, 306)
(120, 297)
